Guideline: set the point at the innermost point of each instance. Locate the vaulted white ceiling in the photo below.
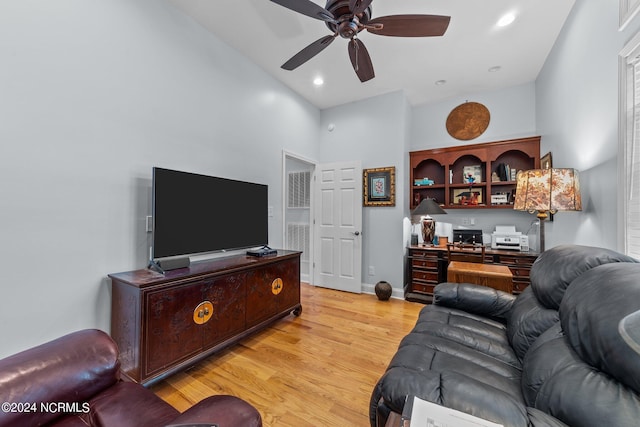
(270, 34)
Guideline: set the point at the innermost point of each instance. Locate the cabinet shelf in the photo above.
(426, 187)
(507, 206)
(483, 160)
(481, 185)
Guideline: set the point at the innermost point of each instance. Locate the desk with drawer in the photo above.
(426, 266)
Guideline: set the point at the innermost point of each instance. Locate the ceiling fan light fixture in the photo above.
(347, 18)
(506, 19)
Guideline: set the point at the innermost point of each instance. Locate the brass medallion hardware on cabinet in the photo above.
(203, 312)
(276, 286)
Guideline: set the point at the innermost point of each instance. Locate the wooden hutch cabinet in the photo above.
(439, 173)
(164, 323)
(427, 266)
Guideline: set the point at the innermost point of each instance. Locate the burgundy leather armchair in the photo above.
(75, 381)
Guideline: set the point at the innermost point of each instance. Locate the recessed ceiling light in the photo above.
(506, 19)
(318, 81)
(440, 82)
(495, 69)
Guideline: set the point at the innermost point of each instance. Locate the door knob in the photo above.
(357, 233)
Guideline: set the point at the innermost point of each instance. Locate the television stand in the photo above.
(265, 250)
(164, 323)
(155, 266)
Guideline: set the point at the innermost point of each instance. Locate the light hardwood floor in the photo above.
(314, 370)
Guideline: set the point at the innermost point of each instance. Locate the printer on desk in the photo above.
(506, 237)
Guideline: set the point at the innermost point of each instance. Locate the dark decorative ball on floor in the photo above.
(383, 290)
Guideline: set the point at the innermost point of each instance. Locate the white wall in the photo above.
(374, 131)
(93, 95)
(96, 93)
(513, 115)
(381, 131)
(512, 110)
(577, 110)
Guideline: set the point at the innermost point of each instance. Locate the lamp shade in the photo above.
(548, 190)
(428, 207)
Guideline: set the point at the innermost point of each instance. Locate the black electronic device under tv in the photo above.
(195, 214)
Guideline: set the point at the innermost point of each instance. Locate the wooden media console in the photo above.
(166, 323)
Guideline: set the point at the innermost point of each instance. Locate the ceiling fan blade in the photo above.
(308, 52)
(309, 8)
(410, 25)
(360, 60)
(358, 6)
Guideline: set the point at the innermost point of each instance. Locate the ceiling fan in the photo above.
(346, 18)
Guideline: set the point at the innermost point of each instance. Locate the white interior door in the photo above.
(338, 224)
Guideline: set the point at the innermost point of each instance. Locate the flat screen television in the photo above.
(195, 214)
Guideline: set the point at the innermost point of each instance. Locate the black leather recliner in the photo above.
(552, 356)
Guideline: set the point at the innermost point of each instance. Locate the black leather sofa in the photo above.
(552, 356)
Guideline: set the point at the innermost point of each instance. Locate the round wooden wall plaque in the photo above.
(468, 121)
